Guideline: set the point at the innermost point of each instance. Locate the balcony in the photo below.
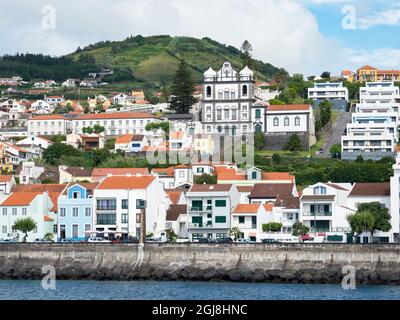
(200, 225)
(318, 214)
(207, 209)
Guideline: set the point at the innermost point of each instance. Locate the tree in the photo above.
(275, 102)
(259, 141)
(380, 214)
(88, 130)
(182, 89)
(281, 77)
(300, 229)
(276, 158)
(24, 225)
(361, 221)
(272, 227)
(206, 179)
(294, 143)
(165, 94)
(171, 235)
(336, 150)
(235, 233)
(325, 108)
(326, 75)
(53, 153)
(49, 237)
(287, 95)
(98, 128)
(164, 126)
(360, 159)
(246, 50)
(58, 138)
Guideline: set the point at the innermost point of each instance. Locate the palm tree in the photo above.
(25, 225)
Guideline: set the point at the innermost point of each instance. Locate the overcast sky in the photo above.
(300, 35)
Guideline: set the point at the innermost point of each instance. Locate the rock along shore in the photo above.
(276, 263)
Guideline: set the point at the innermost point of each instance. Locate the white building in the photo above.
(48, 125)
(54, 99)
(116, 123)
(227, 100)
(40, 106)
(30, 173)
(334, 92)
(395, 200)
(209, 210)
(116, 208)
(373, 132)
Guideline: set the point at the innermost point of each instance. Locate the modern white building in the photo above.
(373, 132)
(209, 210)
(116, 205)
(227, 100)
(334, 92)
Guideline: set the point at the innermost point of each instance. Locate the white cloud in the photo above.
(282, 32)
(389, 17)
(384, 58)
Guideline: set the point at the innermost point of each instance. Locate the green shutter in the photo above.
(220, 203)
(220, 219)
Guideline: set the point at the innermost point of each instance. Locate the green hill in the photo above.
(154, 59)
(145, 61)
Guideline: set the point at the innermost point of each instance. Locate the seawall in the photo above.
(291, 263)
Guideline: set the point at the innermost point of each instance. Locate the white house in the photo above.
(7, 182)
(18, 205)
(334, 92)
(177, 220)
(34, 144)
(47, 125)
(116, 205)
(30, 173)
(209, 210)
(41, 106)
(130, 142)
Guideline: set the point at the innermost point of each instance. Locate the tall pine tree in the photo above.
(246, 50)
(182, 89)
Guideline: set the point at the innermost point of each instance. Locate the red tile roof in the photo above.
(289, 107)
(370, 189)
(268, 207)
(5, 178)
(246, 208)
(130, 183)
(124, 139)
(50, 117)
(117, 115)
(174, 195)
(163, 171)
(47, 218)
(104, 172)
(210, 188)
(367, 67)
(278, 176)
(20, 199)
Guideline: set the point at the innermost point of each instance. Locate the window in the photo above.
(219, 114)
(208, 92)
(220, 93)
(276, 121)
(35, 230)
(62, 212)
(4, 211)
(24, 211)
(220, 203)
(233, 131)
(14, 211)
(234, 115)
(254, 175)
(138, 218)
(181, 174)
(88, 212)
(221, 235)
(4, 229)
(106, 219)
(319, 190)
(75, 195)
(87, 229)
(124, 218)
(286, 121)
(226, 95)
(258, 113)
(200, 170)
(233, 94)
(241, 220)
(226, 114)
(244, 91)
(74, 212)
(106, 204)
(258, 128)
(297, 121)
(74, 231)
(124, 204)
(197, 205)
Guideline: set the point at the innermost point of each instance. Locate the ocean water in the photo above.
(159, 290)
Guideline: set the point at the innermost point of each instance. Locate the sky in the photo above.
(302, 36)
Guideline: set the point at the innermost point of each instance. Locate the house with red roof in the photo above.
(22, 204)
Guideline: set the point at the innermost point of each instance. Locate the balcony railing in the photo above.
(318, 214)
(199, 225)
(203, 209)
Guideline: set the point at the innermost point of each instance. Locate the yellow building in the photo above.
(366, 74)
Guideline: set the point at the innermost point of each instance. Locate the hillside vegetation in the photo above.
(152, 60)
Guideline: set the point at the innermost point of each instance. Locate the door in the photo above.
(62, 231)
(75, 234)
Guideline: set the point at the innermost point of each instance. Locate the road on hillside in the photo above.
(334, 134)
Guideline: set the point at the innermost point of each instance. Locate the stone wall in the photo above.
(292, 263)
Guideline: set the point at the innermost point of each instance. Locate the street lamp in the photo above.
(141, 204)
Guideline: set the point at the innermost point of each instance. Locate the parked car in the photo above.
(8, 240)
(98, 240)
(66, 241)
(41, 240)
(243, 240)
(269, 241)
(203, 240)
(225, 240)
